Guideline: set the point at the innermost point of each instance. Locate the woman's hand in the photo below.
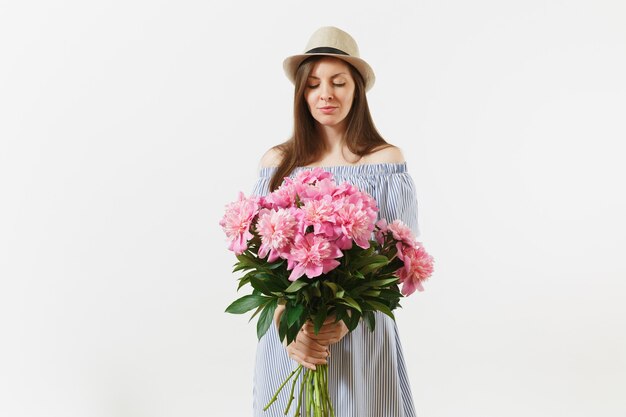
(307, 351)
(329, 333)
(310, 349)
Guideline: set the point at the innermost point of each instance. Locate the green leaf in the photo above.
(282, 327)
(243, 281)
(260, 286)
(266, 283)
(358, 274)
(370, 319)
(292, 332)
(364, 260)
(373, 266)
(391, 294)
(351, 302)
(244, 258)
(242, 267)
(294, 313)
(245, 263)
(380, 282)
(315, 289)
(296, 285)
(265, 319)
(333, 287)
(257, 311)
(275, 265)
(264, 275)
(245, 303)
(381, 307)
(352, 321)
(340, 312)
(318, 320)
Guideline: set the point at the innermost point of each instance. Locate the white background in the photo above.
(126, 126)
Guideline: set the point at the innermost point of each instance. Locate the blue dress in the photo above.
(366, 370)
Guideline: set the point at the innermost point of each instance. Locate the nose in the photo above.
(326, 92)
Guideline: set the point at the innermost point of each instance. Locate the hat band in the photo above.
(326, 50)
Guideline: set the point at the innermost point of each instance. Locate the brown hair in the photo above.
(304, 147)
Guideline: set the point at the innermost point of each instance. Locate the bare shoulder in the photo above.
(271, 158)
(388, 154)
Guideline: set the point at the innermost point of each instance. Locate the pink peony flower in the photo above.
(311, 176)
(355, 221)
(236, 222)
(345, 189)
(381, 231)
(368, 201)
(401, 232)
(277, 229)
(307, 192)
(418, 266)
(283, 197)
(321, 215)
(265, 203)
(312, 255)
(325, 187)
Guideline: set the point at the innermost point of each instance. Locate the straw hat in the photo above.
(331, 41)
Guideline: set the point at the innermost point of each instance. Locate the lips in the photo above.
(327, 109)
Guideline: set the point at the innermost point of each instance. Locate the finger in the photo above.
(322, 341)
(302, 362)
(334, 335)
(313, 347)
(328, 333)
(327, 322)
(329, 341)
(308, 347)
(322, 330)
(310, 334)
(303, 359)
(322, 334)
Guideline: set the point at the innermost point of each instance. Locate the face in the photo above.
(329, 91)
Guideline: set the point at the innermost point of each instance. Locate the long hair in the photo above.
(305, 146)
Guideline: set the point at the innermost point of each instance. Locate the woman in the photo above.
(333, 129)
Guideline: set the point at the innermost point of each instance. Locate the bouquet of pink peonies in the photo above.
(315, 247)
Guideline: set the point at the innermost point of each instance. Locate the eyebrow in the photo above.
(317, 78)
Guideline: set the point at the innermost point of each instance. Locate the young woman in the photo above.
(333, 129)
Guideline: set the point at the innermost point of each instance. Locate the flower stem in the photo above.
(308, 394)
(293, 386)
(316, 393)
(330, 404)
(275, 397)
(300, 395)
(313, 392)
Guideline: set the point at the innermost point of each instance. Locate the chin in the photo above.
(329, 122)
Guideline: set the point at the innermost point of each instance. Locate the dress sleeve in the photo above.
(399, 200)
(262, 184)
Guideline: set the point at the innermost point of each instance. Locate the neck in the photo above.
(332, 136)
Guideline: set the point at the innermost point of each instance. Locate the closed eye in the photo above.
(317, 85)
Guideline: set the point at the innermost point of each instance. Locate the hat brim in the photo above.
(291, 64)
